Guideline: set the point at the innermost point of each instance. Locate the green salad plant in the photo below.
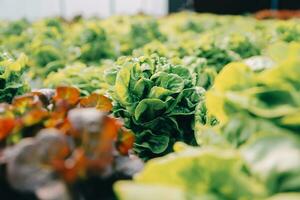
(87, 79)
(157, 101)
(260, 171)
(246, 101)
(12, 80)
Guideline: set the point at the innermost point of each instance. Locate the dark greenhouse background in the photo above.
(232, 6)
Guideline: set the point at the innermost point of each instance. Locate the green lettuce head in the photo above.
(265, 168)
(94, 43)
(11, 77)
(157, 101)
(216, 57)
(47, 59)
(246, 102)
(141, 33)
(193, 173)
(288, 31)
(242, 45)
(88, 79)
(15, 27)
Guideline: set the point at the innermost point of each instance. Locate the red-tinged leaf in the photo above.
(65, 127)
(98, 101)
(73, 167)
(70, 95)
(110, 129)
(58, 119)
(34, 117)
(125, 141)
(24, 103)
(108, 137)
(6, 127)
(55, 119)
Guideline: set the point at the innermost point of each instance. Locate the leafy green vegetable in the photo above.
(247, 123)
(216, 56)
(205, 75)
(288, 31)
(242, 45)
(87, 79)
(141, 33)
(275, 159)
(245, 101)
(12, 82)
(157, 101)
(193, 173)
(15, 28)
(266, 168)
(258, 114)
(48, 58)
(94, 43)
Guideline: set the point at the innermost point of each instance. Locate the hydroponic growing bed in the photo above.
(184, 107)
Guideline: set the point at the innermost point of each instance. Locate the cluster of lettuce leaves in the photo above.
(258, 172)
(92, 42)
(46, 51)
(248, 132)
(247, 123)
(245, 101)
(157, 101)
(87, 79)
(184, 38)
(12, 81)
(143, 32)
